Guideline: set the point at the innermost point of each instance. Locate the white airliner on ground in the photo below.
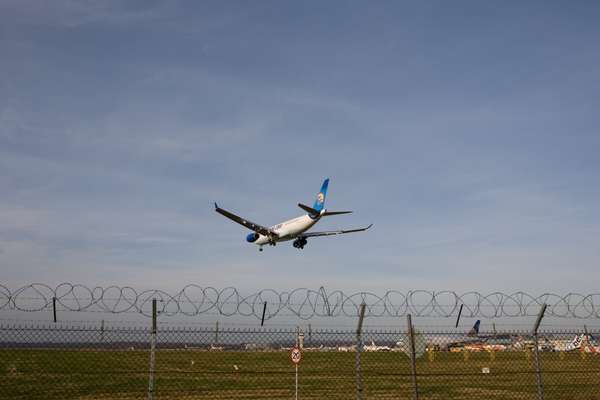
(293, 229)
(374, 347)
(584, 342)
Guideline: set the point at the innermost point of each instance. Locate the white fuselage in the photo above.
(374, 347)
(288, 230)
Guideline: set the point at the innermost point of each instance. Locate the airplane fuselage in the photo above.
(288, 230)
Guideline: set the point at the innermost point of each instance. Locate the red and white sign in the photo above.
(296, 355)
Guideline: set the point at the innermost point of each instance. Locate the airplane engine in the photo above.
(252, 237)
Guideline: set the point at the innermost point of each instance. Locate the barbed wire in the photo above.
(304, 303)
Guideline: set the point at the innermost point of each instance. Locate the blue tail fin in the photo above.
(475, 330)
(320, 201)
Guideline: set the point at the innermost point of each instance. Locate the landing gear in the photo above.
(300, 243)
(260, 248)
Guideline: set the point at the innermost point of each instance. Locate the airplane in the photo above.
(585, 342)
(374, 347)
(453, 341)
(470, 340)
(346, 349)
(293, 229)
(575, 344)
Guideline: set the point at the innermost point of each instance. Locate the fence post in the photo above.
(458, 316)
(359, 384)
(262, 320)
(295, 364)
(54, 308)
(152, 352)
(217, 333)
(536, 350)
(413, 357)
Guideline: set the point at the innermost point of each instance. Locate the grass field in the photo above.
(195, 374)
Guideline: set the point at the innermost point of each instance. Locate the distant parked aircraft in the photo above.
(584, 342)
(454, 341)
(294, 229)
(374, 347)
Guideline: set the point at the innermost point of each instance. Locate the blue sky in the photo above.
(466, 132)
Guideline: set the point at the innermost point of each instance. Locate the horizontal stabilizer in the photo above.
(308, 209)
(326, 213)
(313, 211)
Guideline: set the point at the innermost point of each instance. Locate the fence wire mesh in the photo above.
(66, 362)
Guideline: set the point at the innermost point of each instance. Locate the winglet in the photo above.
(216, 206)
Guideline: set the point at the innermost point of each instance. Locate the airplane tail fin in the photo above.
(475, 329)
(575, 343)
(320, 200)
(319, 205)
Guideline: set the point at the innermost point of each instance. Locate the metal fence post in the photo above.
(458, 316)
(413, 357)
(359, 383)
(216, 333)
(152, 352)
(54, 308)
(296, 365)
(262, 320)
(536, 352)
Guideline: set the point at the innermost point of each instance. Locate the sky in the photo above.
(466, 132)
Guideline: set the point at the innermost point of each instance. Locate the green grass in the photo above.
(123, 374)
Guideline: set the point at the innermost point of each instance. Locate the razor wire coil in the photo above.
(304, 303)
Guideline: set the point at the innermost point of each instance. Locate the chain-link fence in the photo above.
(65, 362)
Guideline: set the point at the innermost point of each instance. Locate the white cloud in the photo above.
(74, 13)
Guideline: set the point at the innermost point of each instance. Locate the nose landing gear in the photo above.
(300, 243)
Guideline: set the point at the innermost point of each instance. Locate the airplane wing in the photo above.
(248, 224)
(329, 233)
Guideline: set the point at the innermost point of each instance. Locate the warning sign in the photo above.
(296, 355)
